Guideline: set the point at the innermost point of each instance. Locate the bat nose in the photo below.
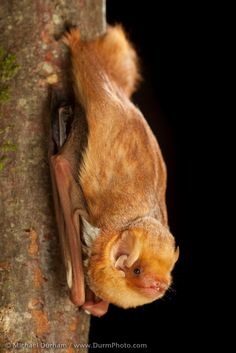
(159, 285)
(153, 286)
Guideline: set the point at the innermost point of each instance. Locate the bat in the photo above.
(109, 182)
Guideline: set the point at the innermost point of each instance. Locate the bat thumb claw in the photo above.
(96, 309)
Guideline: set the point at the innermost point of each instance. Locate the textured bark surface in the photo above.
(34, 305)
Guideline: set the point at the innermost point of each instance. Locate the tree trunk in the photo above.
(35, 309)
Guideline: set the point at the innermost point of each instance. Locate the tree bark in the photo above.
(35, 310)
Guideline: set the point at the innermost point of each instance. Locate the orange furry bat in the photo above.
(116, 197)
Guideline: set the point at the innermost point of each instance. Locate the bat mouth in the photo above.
(152, 292)
(155, 289)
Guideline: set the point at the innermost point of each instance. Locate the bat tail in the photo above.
(97, 63)
(119, 59)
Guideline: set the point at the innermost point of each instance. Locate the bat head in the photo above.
(133, 267)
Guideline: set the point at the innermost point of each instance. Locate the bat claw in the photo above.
(96, 309)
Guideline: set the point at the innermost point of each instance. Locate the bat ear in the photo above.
(126, 250)
(176, 254)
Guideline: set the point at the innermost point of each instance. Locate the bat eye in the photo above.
(137, 271)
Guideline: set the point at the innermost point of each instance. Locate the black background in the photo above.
(172, 41)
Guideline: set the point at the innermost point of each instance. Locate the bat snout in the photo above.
(159, 285)
(154, 287)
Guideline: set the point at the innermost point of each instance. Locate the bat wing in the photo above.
(67, 196)
(70, 205)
